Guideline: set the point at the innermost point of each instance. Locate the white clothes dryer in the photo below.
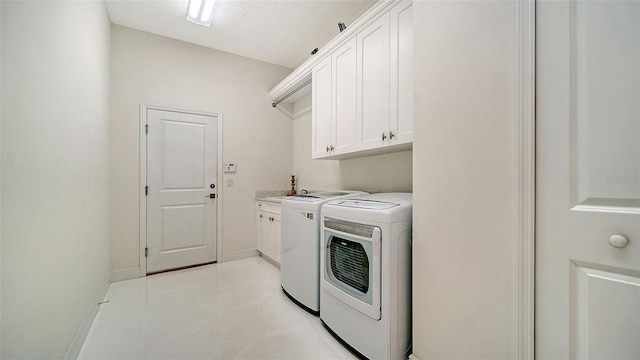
(365, 296)
(300, 258)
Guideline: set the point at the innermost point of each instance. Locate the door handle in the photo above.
(391, 135)
(210, 196)
(384, 136)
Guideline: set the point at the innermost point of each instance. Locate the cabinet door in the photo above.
(261, 230)
(344, 69)
(269, 236)
(373, 85)
(321, 109)
(276, 224)
(401, 61)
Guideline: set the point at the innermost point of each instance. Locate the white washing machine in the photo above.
(300, 258)
(365, 296)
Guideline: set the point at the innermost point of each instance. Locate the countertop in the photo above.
(273, 199)
(273, 196)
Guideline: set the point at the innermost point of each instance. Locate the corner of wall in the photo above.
(81, 335)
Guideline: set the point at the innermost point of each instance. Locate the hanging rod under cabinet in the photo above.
(287, 95)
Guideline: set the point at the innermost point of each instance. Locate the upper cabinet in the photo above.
(321, 130)
(333, 103)
(362, 93)
(344, 92)
(373, 85)
(401, 65)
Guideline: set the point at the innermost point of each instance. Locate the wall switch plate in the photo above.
(230, 167)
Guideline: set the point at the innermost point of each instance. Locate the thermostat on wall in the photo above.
(230, 167)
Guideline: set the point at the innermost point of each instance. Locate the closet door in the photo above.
(587, 180)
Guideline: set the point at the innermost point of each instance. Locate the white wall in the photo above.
(55, 229)
(464, 229)
(161, 71)
(0, 181)
(379, 173)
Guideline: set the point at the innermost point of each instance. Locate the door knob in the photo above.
(618, 241)
(213, 186)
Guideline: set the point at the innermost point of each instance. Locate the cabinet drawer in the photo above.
(268, 207)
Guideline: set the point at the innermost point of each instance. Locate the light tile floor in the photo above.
(233, 310)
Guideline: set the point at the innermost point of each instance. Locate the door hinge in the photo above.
(146, 129)
(146, 190)
(146, 252)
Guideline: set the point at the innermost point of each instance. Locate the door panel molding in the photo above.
(144, 107)
(599, 314)
(525, 28)
(586, 192)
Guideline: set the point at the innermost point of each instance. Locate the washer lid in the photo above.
(305, 197)
(322, 195)
(366, 204)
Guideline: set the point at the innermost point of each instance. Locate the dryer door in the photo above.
(352, 264)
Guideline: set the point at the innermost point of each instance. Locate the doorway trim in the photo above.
(526, 164)
(143, 179)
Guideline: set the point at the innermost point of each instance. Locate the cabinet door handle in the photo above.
(261, 216)
(391, 135)
(327, 148)
(384, 136)
(331, 148)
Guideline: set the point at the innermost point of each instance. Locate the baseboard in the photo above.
(269, 260)
(76, 345)
(238, 255)
(413, 357)
(124, 274)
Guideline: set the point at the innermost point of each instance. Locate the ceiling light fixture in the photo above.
(201, 12)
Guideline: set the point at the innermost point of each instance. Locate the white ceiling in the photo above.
(281, 32)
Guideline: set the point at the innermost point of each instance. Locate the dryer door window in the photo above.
(352, 265)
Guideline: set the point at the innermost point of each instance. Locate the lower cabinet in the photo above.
(268, 240)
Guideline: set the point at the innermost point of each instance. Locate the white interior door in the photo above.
(588, 180)
(181, 176)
